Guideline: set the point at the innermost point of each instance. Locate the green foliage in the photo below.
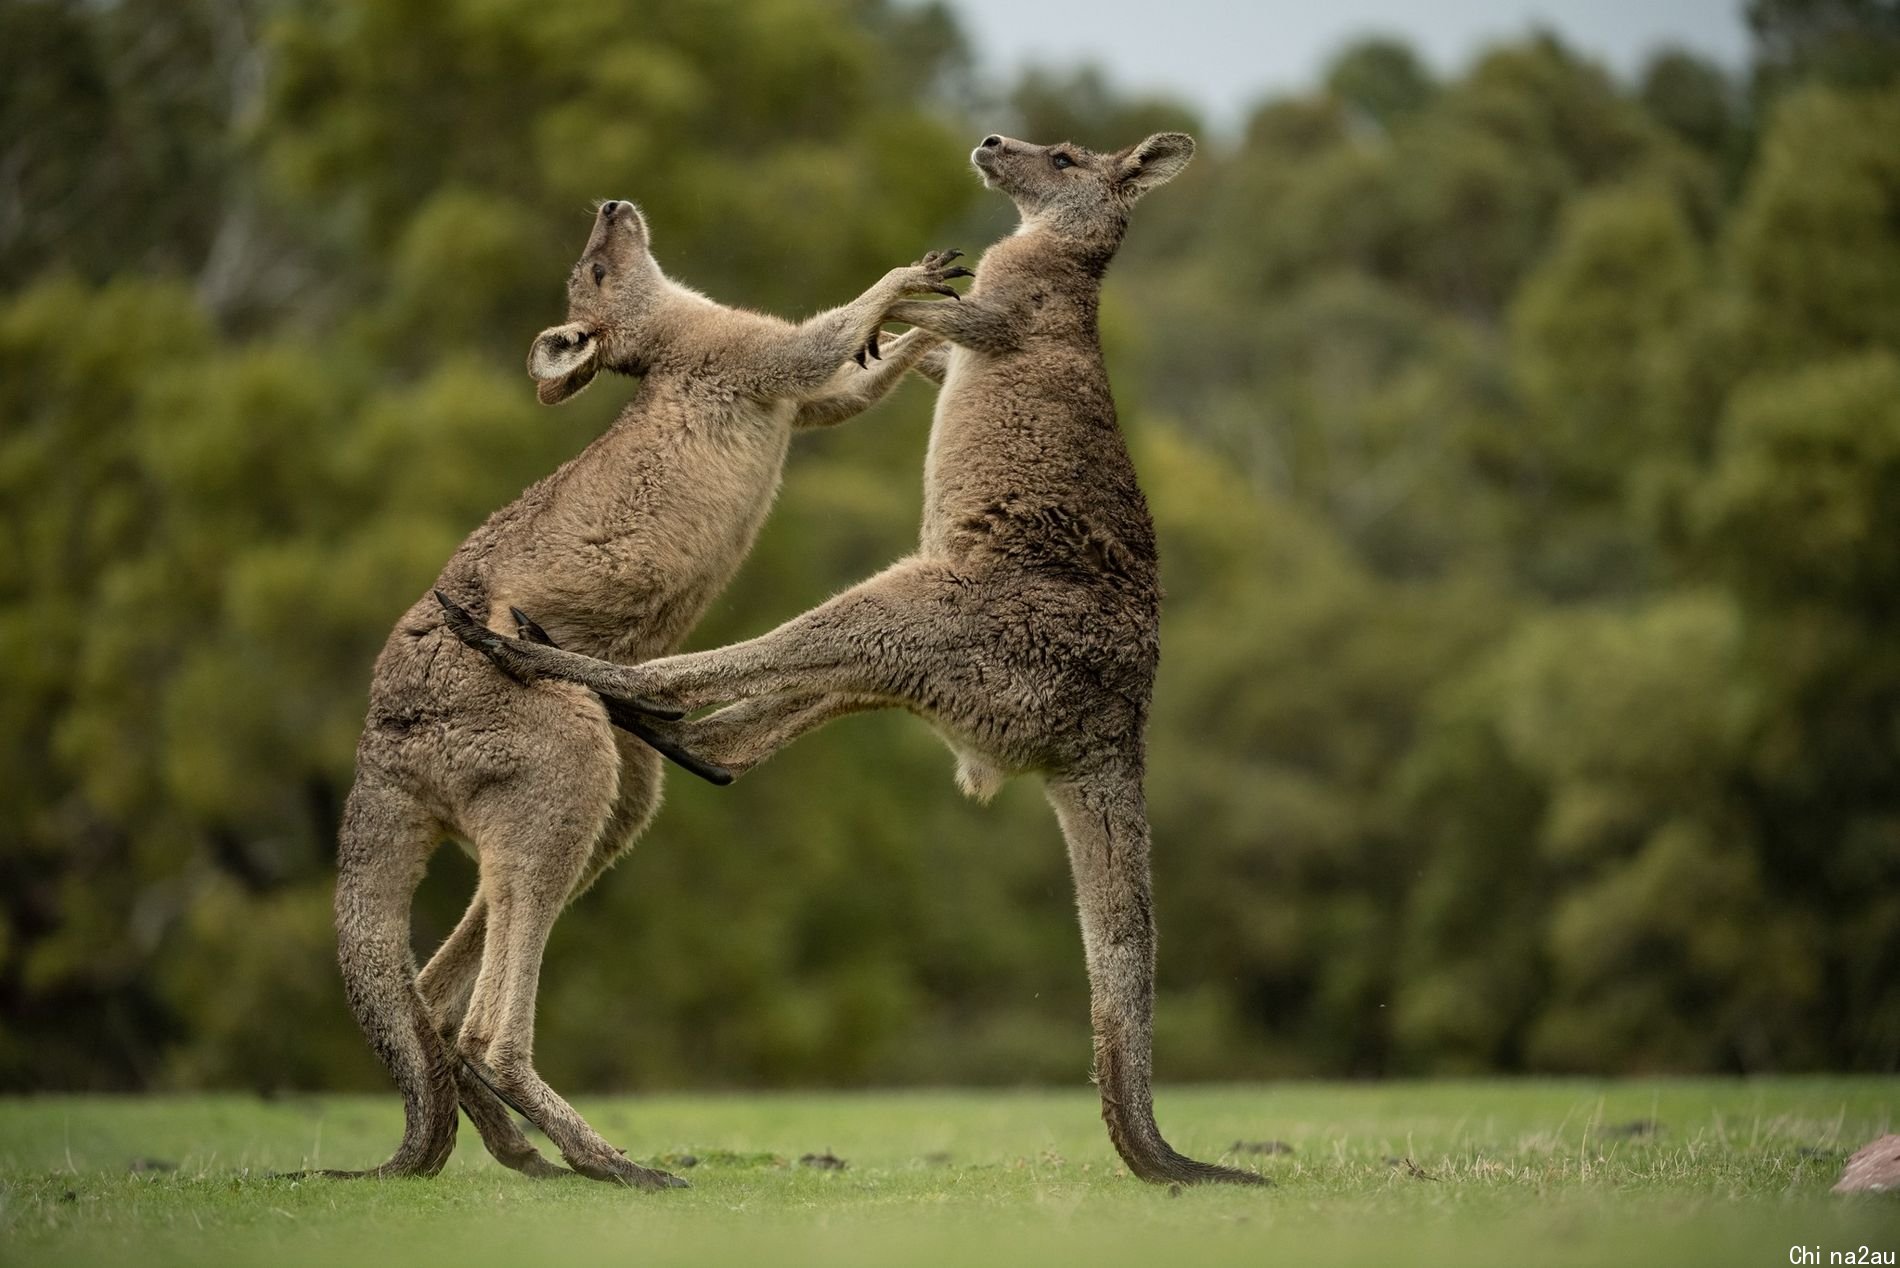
(1524, 447)
(1382, 79)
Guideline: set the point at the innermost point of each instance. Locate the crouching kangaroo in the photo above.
(618, 552)
(1025, 627)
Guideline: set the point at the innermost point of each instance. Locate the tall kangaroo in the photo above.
(618, 552)
(1025, 628)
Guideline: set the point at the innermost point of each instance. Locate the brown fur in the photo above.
(1025, 628)
(618, 553)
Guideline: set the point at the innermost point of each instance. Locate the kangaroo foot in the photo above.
(504, 1140)
(580, 1145)
(613, 1167)
(527, 631)
(636, 717)
(655, 735)
(525, 660)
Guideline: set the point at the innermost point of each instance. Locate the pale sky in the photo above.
(1224, 55)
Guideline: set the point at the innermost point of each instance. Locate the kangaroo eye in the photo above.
(1062, 160)
(600, 274)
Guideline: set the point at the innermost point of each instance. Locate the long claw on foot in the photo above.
(527, 630)
(466, 627)
(638, 724)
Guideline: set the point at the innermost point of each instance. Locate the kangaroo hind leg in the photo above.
(447, 983)
(533, 856)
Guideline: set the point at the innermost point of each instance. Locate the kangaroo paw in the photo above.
(468, 629)
(528, 631)
(640, 725)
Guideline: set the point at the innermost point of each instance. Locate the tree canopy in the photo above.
(1524, 446)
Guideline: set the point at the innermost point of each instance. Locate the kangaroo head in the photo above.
(1076, 189)
(611, 288)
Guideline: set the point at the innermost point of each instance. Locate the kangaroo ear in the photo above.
(563, 360)
(1155, 161)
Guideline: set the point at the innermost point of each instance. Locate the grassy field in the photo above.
(1676, 1172)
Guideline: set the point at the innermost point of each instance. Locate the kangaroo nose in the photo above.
(992, 141)
(608, 208)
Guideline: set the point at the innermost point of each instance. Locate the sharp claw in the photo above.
(637, 723)
(645, 710)
(871, 348)
(959, 271)
(527, 629)
(466, 627)
(950, 255)
(858, 356)
(945, 290)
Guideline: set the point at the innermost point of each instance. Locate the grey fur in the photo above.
(1025, 628)
(618, 553)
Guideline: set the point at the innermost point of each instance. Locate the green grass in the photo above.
(1529, 1173)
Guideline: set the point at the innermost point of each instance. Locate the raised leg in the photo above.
(901, 637)
(740, 736)
(1104, 820)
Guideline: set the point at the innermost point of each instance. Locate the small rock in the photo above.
(1874, 1169)
(1174, 1190)
(1260, 1147)
(69, 1196)
(139, 1166)
(826, 1161)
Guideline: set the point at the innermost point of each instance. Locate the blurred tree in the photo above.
(1692, 97)
(1081, 106)
(1381, 80)
(1849, 43)
(1523, 449)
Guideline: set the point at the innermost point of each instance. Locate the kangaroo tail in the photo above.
(1105, 822)
(382, 850)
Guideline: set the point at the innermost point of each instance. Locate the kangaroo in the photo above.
(618, 552)
(1025, 628)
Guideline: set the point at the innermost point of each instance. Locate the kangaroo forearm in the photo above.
(853, 390)
(807, 357)
(934, 364)
(969, 323)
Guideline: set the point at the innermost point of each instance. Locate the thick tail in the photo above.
(1104, 820)
(382, 850)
